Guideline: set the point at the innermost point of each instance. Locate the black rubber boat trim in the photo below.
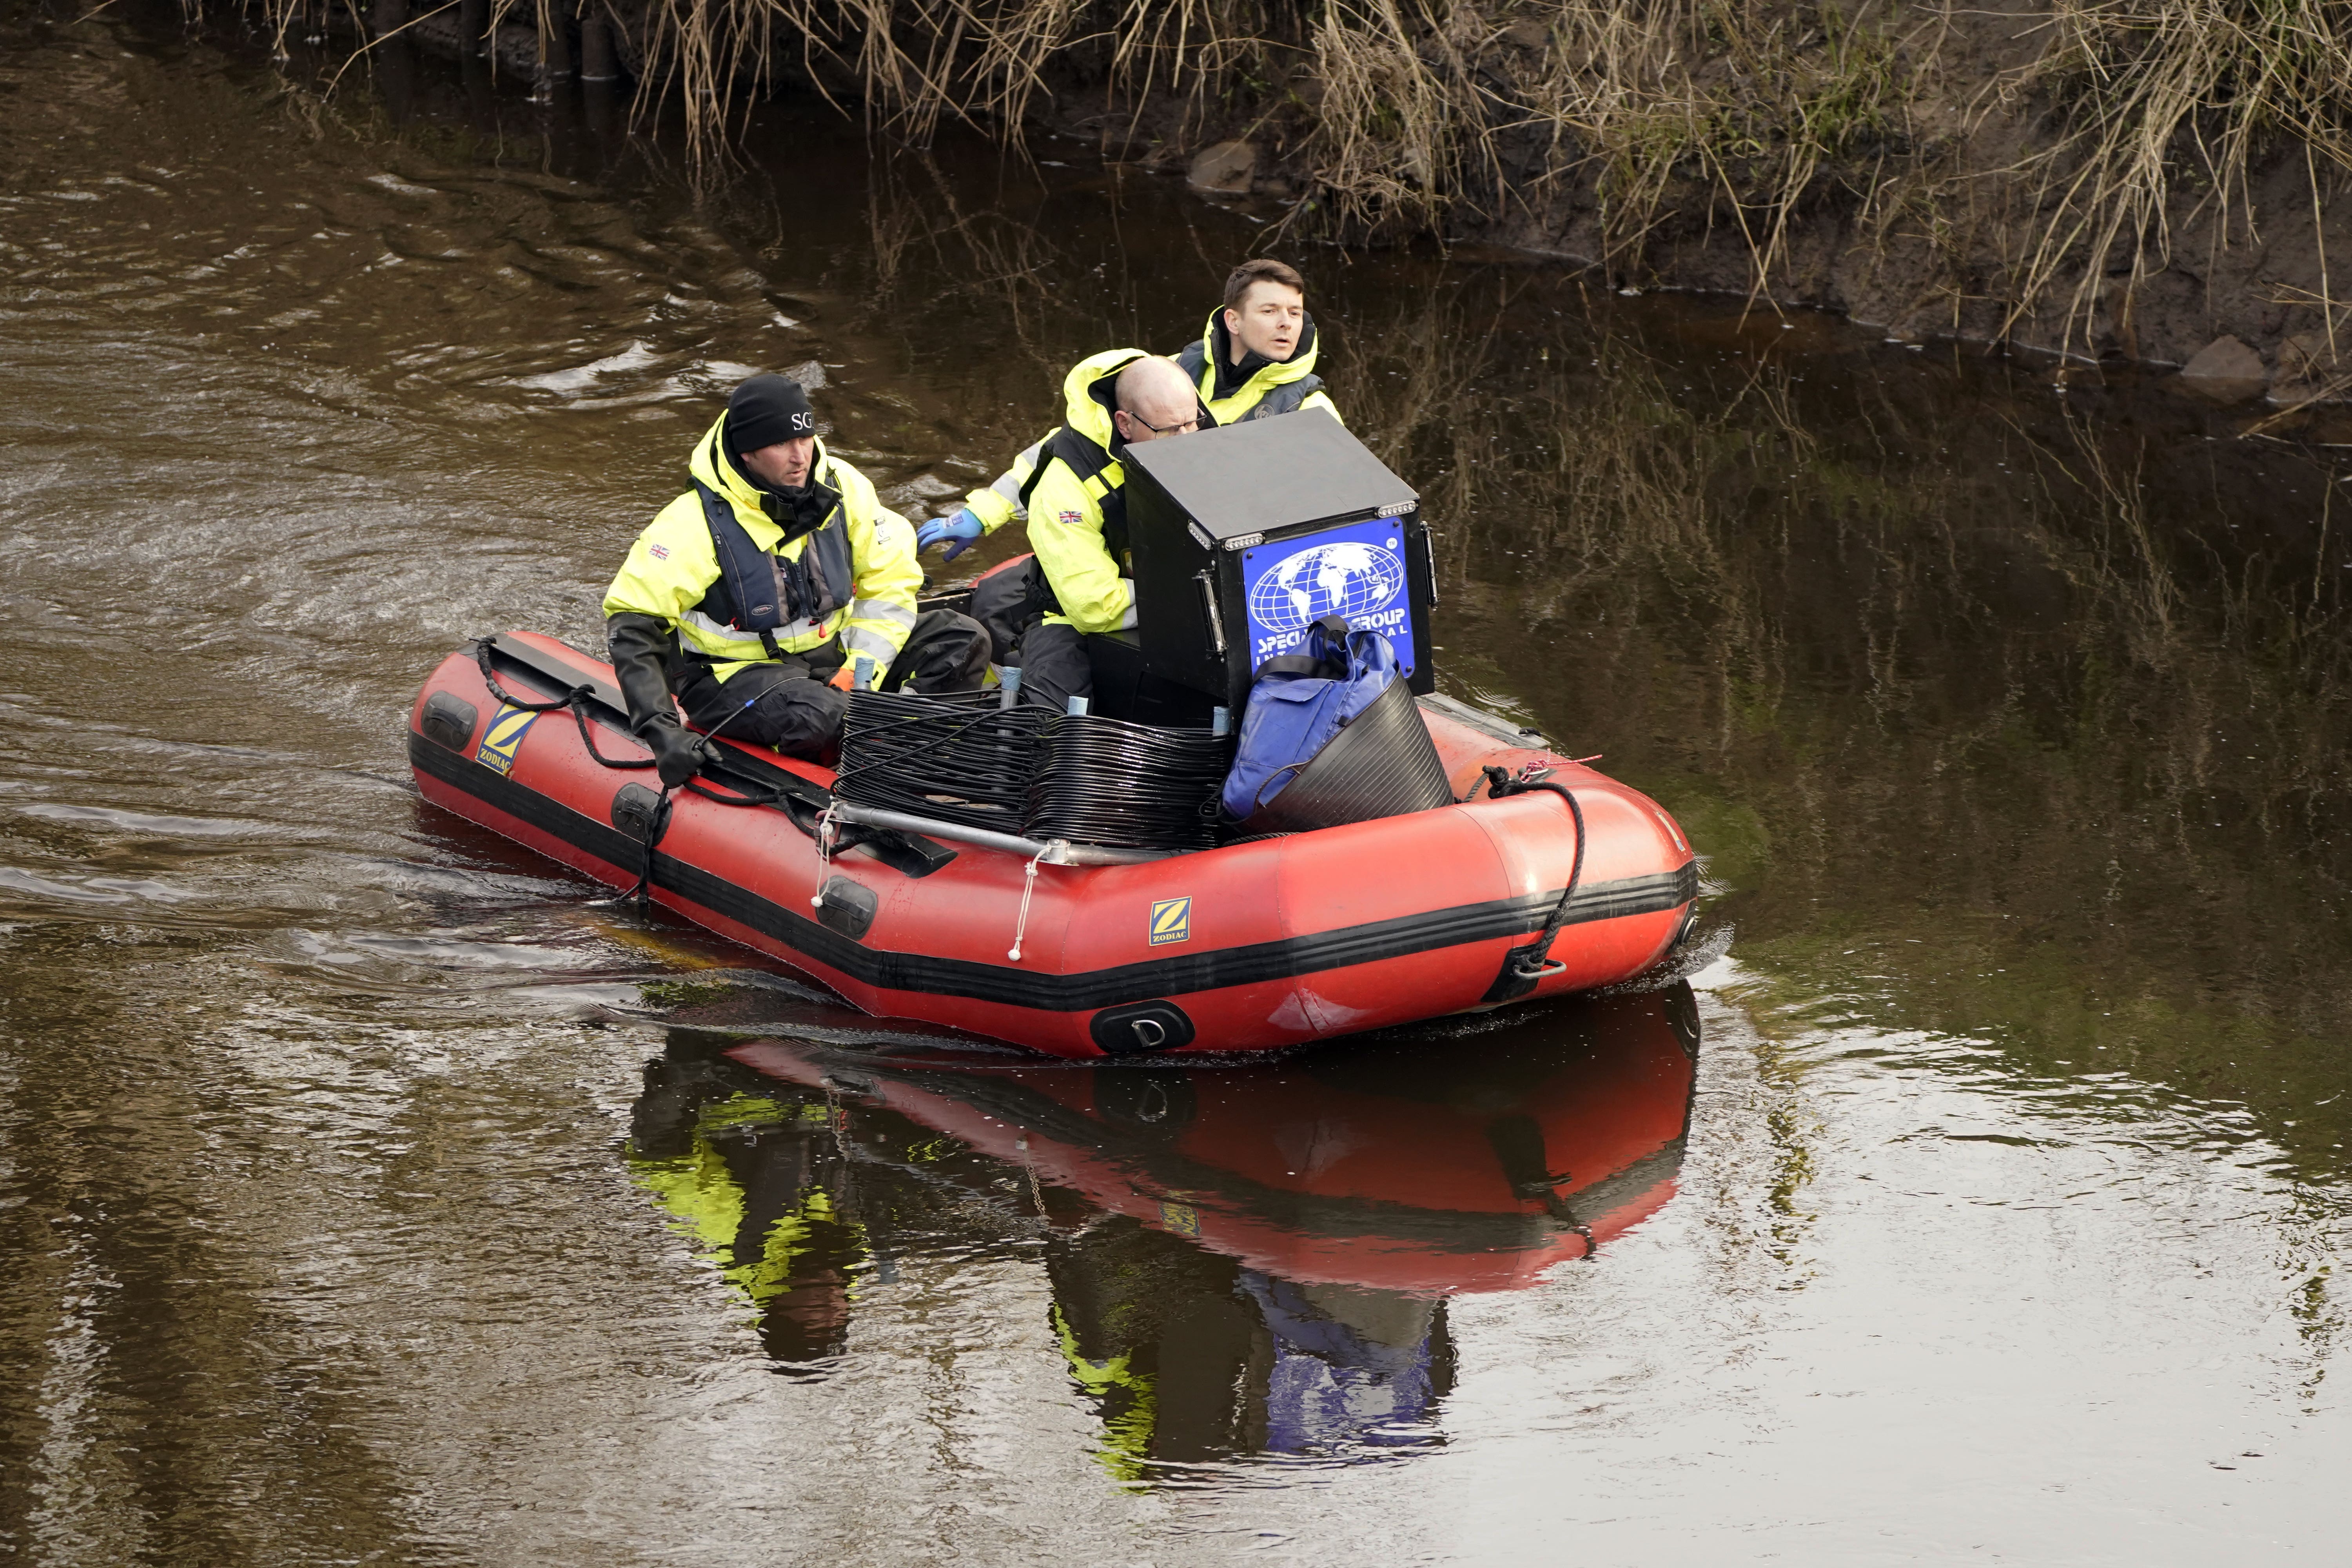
(1210, 971)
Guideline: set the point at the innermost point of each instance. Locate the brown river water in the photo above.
(368, 1195)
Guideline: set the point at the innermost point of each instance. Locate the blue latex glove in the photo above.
(960, 532)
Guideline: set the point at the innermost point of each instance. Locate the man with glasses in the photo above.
(1040, 609)
(1253, 359)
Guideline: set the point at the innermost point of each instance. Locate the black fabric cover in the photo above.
(1382, 764)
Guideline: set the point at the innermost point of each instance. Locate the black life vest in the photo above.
(758, 591)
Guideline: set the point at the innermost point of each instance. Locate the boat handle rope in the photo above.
(481, 646)
(643, 891)
(1536, 960)
(746, 794)
(1028, 887)
(801, 815)
(823, 837)
(576, 699)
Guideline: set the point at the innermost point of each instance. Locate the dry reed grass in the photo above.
(912, 64)
(2138, 121)
(2165, 108)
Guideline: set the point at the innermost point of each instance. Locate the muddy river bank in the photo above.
(365, 1194)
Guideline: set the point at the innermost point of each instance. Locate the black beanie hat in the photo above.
(765, 410)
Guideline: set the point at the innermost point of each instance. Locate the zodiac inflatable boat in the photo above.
(1067, 949)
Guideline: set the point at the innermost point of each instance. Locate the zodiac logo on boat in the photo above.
(1354, 578)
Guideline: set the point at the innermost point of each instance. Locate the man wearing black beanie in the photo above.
(772, 589)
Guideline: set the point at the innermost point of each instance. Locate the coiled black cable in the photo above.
(958, 757)
(1033, 773)
(1125, 785)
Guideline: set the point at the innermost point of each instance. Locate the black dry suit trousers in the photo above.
(787, 704)
(1012, 603)
(1055, 665)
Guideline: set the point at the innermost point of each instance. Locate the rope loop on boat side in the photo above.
(1028, 886)
(481, 646)
(824, 835)
(576, 699)
(642, 892)
(1536, 959)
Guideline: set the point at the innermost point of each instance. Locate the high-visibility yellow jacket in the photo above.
(1077, 511)
(673, 572)
(1268, 387)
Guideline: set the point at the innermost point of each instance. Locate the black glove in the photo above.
(640, 647)
(679, 755)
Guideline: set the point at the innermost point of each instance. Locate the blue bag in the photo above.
(1298, 703)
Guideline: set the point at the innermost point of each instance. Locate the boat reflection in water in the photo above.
(1244, 1258)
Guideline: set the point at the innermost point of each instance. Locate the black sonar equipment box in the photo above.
(1245, 535)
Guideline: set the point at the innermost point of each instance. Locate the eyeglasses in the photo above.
(1188, 426)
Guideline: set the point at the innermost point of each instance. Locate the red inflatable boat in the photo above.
(1253, 946)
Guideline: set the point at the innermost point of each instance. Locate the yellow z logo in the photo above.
(1172, 920)
(503, 738)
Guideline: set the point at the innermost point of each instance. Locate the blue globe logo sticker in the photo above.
(1351, 578)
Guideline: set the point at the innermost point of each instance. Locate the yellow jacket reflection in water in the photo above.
(672, 571)
(1190, 1356)
(803, 1245)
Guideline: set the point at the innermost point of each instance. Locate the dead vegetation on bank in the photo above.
(2037, 166)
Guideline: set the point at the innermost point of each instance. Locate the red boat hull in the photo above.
(1282, 942)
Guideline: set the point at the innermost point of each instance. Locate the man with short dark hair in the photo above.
(773, 587)
(1255, 358)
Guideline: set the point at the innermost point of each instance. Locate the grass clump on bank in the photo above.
(2165, 112)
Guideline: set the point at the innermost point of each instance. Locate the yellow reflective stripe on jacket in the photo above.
(887, 577)
(722, 641)
(999, 502)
